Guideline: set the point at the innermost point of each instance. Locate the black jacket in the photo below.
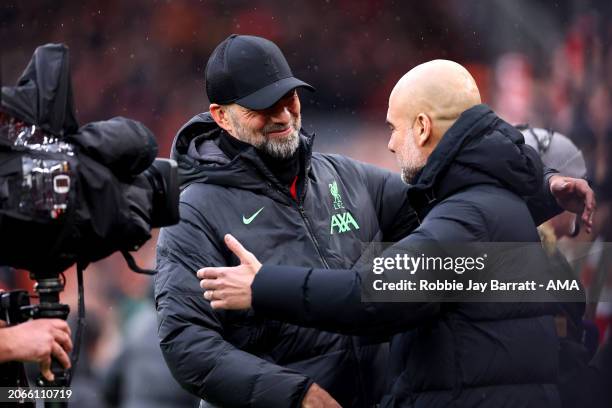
(237, 359)
(453, 354)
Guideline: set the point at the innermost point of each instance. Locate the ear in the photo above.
(220, 115)
(423, 129)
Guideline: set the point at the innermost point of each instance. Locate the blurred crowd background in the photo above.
(546, 63)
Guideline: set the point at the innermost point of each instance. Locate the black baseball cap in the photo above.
(250, 71)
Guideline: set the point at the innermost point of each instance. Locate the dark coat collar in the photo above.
(480, 148)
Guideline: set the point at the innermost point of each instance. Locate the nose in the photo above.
(391, 145)
(280, 114)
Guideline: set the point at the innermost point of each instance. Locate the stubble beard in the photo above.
(411, 160)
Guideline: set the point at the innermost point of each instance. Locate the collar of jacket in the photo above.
(201, 160)
(480, 148)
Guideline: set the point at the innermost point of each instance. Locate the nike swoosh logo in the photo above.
(247, 221)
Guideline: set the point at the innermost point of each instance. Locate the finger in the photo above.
(202, 273)
(210, 284)
(558, 184)
(236, 247)
(589, 195)
(588, 225)
(63, 339)
(587, 217)
(589, 205)
(219, 304)
(61, 325)
(213, 295)
(61, 355)
(45, 369)
(212, 273)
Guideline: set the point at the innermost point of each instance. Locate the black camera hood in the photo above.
(43, 94)
(43, 97)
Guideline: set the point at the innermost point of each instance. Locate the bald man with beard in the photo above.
(467, 171)
(434, 95)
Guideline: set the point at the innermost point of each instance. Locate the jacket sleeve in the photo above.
(543, 205)
(192, 334)
(331, 300)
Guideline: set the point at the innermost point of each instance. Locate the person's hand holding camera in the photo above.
(37, 341)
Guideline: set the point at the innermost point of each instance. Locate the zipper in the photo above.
(352, 339)
(298, 204)
(312, 237)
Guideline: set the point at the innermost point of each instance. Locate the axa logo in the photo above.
(342, 223)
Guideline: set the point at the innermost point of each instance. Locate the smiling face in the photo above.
(274, 130)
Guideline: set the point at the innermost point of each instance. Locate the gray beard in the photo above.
(279, 149)
(409, 174)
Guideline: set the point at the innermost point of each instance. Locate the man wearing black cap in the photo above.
(246, 167)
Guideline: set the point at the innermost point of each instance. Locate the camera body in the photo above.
(68, 193)
(38, 180)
